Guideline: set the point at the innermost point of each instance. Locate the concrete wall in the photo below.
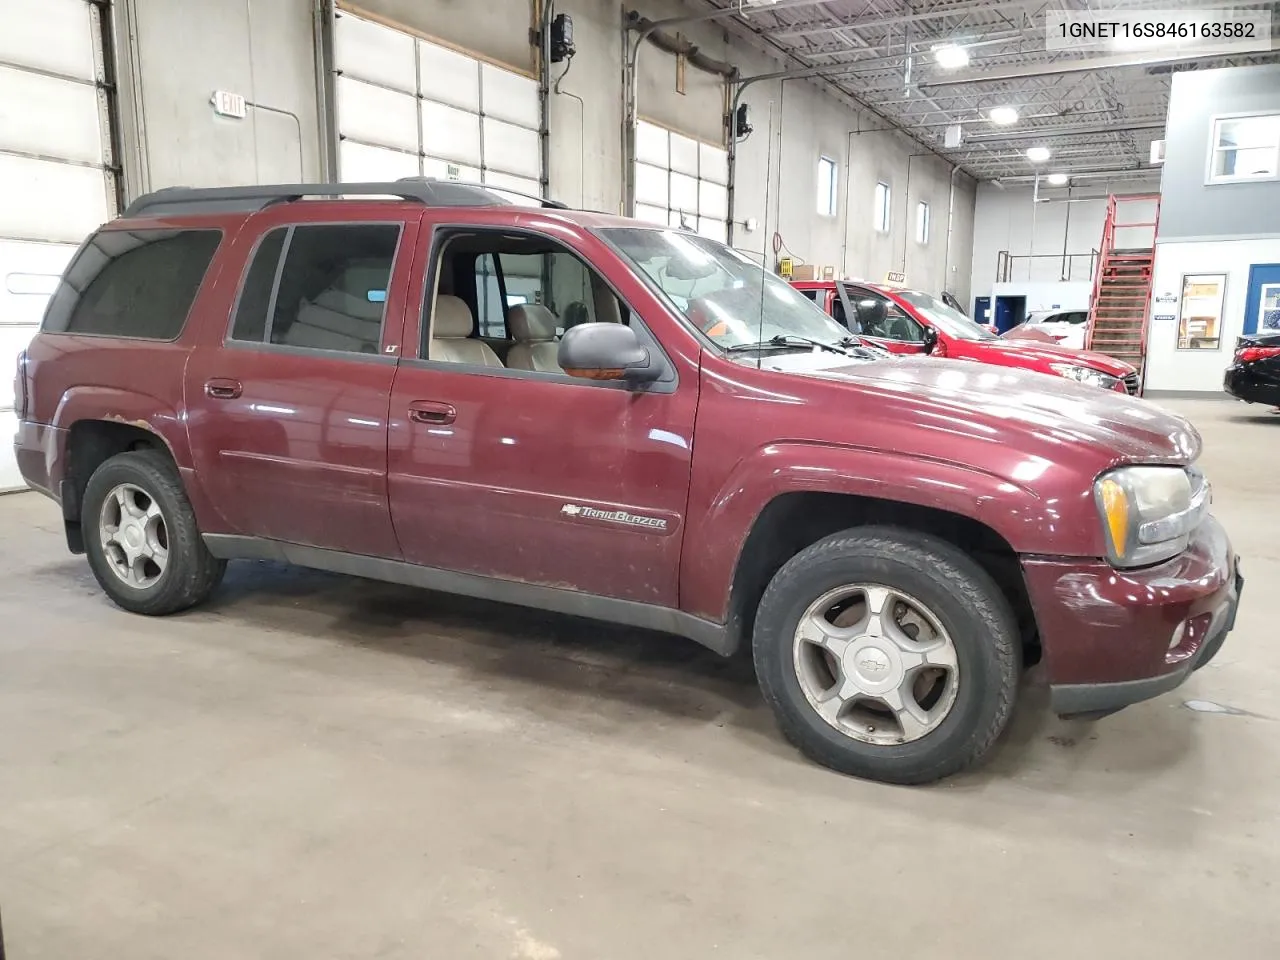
(1192, 209)
(1169, 368)
(177, 53)
(1007, 219)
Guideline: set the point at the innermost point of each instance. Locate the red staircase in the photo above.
(1121, 300)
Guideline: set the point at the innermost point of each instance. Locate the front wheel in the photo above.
(141, 537)
(887, 654)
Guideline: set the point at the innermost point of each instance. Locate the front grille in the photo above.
(1131, 384)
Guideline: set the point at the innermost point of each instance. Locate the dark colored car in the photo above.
(425, 384)
(912, 321)
(1254, 374)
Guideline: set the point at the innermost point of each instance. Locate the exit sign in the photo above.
(229, 104)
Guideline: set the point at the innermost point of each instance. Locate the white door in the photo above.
(407, 107)
(681, 182)
(55, 181)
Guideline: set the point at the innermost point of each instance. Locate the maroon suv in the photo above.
(423, 383)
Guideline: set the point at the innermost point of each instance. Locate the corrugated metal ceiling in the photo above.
(880, 52)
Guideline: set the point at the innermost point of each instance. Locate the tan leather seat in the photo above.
(533, 327)
(337, 321)
(451, 339)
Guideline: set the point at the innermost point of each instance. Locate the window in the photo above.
(681, 182)
(881, 211)
(490, 298)
(922, 222)
(828, 195)
(1245, 148)
(329, 294)
(880, 317)
(135, 283)
(505, 301)
(811, 294)
(944, 317)
(721, 291)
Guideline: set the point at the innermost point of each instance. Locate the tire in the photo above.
(190, 572)
(960, 602)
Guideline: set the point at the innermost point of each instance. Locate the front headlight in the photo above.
(1149, 513)
(1085, 375)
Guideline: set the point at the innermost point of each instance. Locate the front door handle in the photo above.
(432, 411)
(220, 388)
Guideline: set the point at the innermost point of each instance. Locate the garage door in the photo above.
(55, 185)
(407, 107)
(681, 181)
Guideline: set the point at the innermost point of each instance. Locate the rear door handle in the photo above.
(219, 388)
(432, 411)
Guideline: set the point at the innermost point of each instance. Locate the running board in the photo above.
(631, 613)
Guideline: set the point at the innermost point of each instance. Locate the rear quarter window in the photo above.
(132, 283)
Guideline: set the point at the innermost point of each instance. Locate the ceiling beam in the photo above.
(1089, 64)
(939, 13)
(1046, 132)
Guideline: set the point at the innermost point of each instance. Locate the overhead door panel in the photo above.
(56, 179)
(453, 115)
(681, 181)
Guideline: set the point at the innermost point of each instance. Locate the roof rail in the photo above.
(171, 201)
(541, 201)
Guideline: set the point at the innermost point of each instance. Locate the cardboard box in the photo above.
(804, 271)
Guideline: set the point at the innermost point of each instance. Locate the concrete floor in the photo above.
(320, 767)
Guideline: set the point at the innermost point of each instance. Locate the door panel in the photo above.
(298, 451)
(527, 480)
(290, 440)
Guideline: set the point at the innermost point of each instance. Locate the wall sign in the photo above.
(892, 277)
(229, 104)
(1203, 296)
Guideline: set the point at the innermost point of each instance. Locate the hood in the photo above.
(1036, 350)
(986, 401)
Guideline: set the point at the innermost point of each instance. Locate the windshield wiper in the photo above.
(787, 340)
(866, 348)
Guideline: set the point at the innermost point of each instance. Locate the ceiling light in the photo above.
(1003, 116)
(1057, 179)
(951, 57)
(1038, 154)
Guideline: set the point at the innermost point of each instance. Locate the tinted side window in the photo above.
(133, 283)
(255, 296)
(811, 294)
(330, 293)
(880, 317)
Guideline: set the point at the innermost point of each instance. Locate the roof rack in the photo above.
(431, 192)
(489, 187)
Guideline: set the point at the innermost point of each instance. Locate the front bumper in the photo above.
(1111, 638)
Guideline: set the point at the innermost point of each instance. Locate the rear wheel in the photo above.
(887, 654)
(141, 537)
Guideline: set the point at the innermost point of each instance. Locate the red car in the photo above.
(424, 384)
(911, 321)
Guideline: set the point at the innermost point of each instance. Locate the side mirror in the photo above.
(606, 351)
(930, 339)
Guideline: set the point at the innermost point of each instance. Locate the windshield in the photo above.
(951, 322)
(726, 295)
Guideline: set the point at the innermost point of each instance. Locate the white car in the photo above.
(1066, 327)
